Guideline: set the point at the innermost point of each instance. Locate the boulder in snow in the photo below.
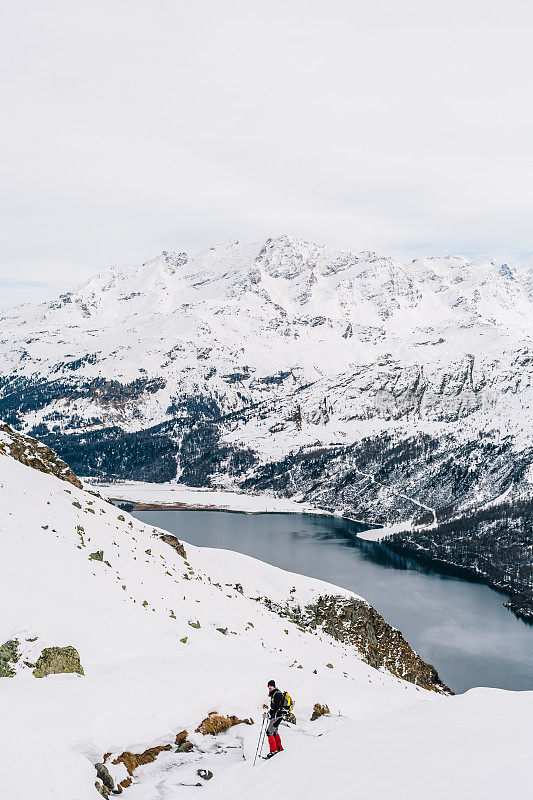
(319, 710)
(54, 660)
(217, 723)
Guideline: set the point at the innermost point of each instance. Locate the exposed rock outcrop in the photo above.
(319, 710)
(100, 788)
(357, 623)
(381, 645)
(174, 542)
(133, 760)
(213, 724)
(217, 723)
(184, 746)
(34, 454)
(55, 660)
(105, 777)
(9, 656)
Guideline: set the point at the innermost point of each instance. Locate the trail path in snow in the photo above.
(418, 503)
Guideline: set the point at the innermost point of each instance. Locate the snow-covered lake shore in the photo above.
(377, 534)
(176, 497)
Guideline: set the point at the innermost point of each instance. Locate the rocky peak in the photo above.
(505, 272)
(285, 257)
(34, 454)
(169, 259)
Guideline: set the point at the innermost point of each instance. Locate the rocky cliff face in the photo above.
(34, 454)
(355, 622)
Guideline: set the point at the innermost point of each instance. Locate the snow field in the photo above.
(477, 746)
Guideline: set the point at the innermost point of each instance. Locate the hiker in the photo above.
(275, 714)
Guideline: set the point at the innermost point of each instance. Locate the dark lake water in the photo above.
(459, 626)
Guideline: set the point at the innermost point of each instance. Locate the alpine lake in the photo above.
(458, 625)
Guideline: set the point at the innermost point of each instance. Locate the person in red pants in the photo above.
(275, 715)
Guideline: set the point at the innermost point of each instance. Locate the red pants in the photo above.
(273, 735)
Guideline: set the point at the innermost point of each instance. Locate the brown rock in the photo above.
(133, 760)
(103, 773)
(180, 737)
(173, 542)
(355, 622)
(319, 710)
(34, 454)
(185, 747)
(217, 723)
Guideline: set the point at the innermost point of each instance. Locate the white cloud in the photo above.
(131, 127)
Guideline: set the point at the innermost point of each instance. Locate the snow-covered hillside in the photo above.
(380, 390)
(167, 634)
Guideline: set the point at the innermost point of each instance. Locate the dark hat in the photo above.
(271, 683)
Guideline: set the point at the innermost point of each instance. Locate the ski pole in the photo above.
(258, 741)
(261, 738)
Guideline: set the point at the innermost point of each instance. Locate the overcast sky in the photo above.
(132, 127)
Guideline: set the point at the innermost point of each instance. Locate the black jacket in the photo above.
(276, 703)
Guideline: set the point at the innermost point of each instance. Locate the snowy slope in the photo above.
(144, 621)
(128, 614)
(476, 746)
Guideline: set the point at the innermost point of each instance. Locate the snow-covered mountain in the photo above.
(135, 663)
(377, 389)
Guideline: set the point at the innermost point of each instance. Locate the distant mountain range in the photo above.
(387, 391)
